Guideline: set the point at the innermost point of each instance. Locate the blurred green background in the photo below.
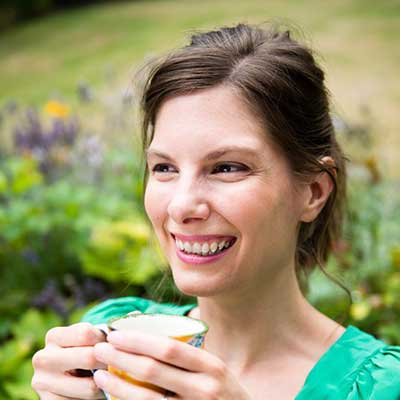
(72, 227)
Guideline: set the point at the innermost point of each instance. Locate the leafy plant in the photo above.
(73, 232)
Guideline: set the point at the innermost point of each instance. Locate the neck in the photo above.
(263, 324)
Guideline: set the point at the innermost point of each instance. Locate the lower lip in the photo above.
(194, 259)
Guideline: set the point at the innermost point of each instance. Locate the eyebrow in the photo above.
(210, 156)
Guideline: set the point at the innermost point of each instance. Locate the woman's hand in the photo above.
(189, 372)
(57, 367)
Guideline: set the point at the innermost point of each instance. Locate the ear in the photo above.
(317, 192)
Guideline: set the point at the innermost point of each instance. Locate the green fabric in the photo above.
(356, 367)
(118, 307)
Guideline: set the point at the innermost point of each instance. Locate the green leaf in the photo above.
(20, 386)
(3, 183)
(25, 174)
(12, 353)
(122, 251)
(33, 325)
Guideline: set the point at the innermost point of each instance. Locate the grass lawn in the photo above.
(357, 42)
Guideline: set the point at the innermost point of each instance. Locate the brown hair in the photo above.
(281, 83)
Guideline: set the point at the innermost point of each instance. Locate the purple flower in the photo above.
(50, 297)
(30, 255)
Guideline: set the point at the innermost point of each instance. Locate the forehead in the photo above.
(216, 114)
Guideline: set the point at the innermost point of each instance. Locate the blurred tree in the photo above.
(13, 11)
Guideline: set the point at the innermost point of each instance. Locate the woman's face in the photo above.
(214, 180)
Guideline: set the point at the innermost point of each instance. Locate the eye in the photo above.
(161, 168)
(229, 168)
(225, 168)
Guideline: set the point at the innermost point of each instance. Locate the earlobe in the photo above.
(318, 192)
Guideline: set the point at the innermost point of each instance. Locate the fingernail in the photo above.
(100, 377)
(115, 337)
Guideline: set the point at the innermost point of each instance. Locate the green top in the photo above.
(356, 367)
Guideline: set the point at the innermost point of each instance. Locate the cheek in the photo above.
(280, 222)
(271, 211)
(147, 202)
(154, 204)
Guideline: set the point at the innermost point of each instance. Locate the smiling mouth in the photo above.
(204, 249)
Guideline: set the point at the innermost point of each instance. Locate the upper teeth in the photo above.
(203, 249)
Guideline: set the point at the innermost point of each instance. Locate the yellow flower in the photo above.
(360, 311)
(56, 109)
(372, 165)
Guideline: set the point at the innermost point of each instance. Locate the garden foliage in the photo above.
(73, 232)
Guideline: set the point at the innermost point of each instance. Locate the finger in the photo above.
(66, 386)
(124, 390)
(146, 369)
(81, 334)
(168, 350)
(65, 359)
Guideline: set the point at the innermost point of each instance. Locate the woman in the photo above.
(241, 161)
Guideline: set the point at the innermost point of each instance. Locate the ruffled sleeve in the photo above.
(378, 377)
(112, 308)
(118, 307)
(356, 367)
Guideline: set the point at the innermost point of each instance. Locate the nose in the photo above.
(188, 203)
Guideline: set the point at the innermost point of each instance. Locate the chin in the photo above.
(196, 287)
(196, 292)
